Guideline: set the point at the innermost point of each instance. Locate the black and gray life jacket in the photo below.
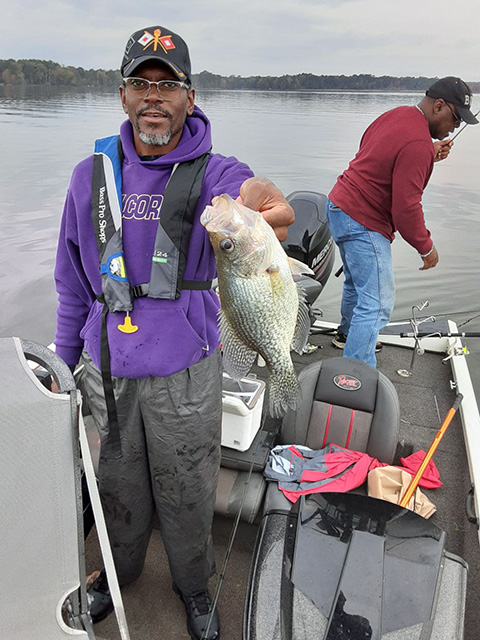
(173, 234)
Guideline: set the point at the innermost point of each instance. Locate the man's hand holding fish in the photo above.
(260, 194)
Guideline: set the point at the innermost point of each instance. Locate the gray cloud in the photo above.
(260, 37)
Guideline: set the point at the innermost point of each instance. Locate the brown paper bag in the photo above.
(391, 483)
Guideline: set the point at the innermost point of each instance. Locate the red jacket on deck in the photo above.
(300, 470)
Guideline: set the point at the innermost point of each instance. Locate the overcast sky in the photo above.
(257, 37)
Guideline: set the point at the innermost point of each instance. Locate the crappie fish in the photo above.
(262, 309)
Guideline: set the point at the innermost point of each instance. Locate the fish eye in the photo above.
(227, 245)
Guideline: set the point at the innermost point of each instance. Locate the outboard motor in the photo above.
(309, 241)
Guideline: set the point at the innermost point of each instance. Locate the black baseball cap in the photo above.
(457, 92)
(157, 43)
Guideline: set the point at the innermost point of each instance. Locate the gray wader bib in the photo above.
(170, 437)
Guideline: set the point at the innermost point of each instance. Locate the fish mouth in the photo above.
(221, 217)
(206, 216)
(226, 216)
(252, 252)
(219, 226)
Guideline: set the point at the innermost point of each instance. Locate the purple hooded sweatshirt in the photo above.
(172, 334)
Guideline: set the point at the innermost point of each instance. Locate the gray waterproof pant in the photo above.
(170, 431)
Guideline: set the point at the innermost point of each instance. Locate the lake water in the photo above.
(298, 140)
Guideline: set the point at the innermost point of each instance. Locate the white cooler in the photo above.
(242, 411)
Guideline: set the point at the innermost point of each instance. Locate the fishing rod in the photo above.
(436, 441)
(416, 322)
(440, 334)
(464, 126)
(460, 313)
(233, 533)
(410, 334)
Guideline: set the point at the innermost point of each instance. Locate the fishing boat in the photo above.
(425, 396)
(426, 363)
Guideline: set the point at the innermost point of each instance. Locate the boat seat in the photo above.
(230, 489)
(345, 402)
(41, 550)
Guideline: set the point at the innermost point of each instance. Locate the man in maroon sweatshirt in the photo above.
(380, 193)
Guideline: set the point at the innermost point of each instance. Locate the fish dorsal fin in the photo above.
(237, 357)
(299, 268)
(302, 328)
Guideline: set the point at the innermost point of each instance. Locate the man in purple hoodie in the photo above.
(134, 272)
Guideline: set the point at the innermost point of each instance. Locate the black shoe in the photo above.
(340, 339)
(99, 598)
(198, 608)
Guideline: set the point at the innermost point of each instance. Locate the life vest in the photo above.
(169, 258)
(173, 233)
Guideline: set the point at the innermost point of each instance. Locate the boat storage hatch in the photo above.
(347, 566)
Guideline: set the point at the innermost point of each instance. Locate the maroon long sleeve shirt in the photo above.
(384, 183)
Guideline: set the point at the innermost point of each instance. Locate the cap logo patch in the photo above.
(130, 44)
(467, 100)
(349, 383)
(156, 40)
(146, 39)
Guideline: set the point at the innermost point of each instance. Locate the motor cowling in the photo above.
(309, 239)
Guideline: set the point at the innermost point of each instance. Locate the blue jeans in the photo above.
(369, 286)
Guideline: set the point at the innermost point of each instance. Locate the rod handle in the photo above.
(458, 401)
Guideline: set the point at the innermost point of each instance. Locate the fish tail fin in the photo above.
(284, 392)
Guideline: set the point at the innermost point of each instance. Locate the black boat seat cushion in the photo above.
(231, 488)
(348, 403)
(341, 425)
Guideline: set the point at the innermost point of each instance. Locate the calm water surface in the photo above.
(299, 140)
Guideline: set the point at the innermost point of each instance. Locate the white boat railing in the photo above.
(468, 412)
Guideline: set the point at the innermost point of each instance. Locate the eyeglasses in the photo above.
(167, 90)
(457, 120)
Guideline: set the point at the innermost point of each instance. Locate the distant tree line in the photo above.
(311, 82)
(46, 72)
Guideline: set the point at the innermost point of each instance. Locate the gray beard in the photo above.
(155, 139)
